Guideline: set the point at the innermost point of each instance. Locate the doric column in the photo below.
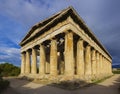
(88, 62)
(104, 66)
(107, 66)
(27, 69)
(93, 63)
(53, 57)
(102, 69)
(100, 63)
(110, 67)
(97, 63)
(47, 64)
(69, 54)
(42, 60)
(23, 63)
(34, 61)
(80, 58)
(47, 67)
(110, 71)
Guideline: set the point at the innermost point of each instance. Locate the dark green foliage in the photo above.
(7, 69)
(3, 85)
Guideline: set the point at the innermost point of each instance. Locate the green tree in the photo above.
(7, 69)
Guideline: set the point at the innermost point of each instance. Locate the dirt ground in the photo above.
(109, 86)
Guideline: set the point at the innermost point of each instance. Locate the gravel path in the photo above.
(109, 86)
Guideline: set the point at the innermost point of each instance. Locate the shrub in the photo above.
(116, 71)
(7, 69)
(3, 84)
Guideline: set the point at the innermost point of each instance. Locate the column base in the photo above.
(59, 78)
(88, 77)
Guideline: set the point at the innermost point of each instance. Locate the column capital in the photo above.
(24, 52)
(88, 46)
(53, 39)
(68, 31)
(34, 48)
(28, 50)
(81, 39)
(41, 44)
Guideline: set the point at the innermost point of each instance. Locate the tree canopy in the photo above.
(7, 69)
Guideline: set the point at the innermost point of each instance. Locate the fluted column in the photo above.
(88, 62)
(69, 54)
(42, 60)
(107, 65)
(27, 69)
(34, 61)
(93, 63)
(80, 58)
(100, 63)
(106, 68)
(23, 63)
(102, 66)
(110, 67)
(53, 57)
(47, 64)
(97, 66)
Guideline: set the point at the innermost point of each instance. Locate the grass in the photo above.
(116, 71)
(101, 80)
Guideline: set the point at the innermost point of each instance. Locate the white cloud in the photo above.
(9, 51)
(11, 55)
(2, 62)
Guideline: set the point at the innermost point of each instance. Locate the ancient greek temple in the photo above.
(63, 45)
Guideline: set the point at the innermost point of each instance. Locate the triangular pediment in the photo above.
(52, 21)
(47, 22)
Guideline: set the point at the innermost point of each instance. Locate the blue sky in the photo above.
(18, 16)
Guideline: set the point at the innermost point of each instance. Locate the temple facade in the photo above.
(63, 45)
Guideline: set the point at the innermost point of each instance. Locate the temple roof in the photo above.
(56, 18)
